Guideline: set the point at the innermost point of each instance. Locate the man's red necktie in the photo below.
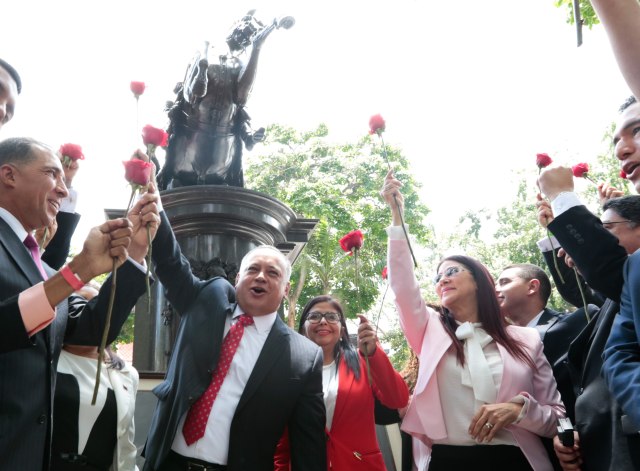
(198, 414)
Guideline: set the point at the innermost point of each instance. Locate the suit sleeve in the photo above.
(56, 253)
(307, 438)
(595, 251)
(621, 367)
(87, 319)
(545, 406)
(567, 284)
(173, 269)
(388, 386)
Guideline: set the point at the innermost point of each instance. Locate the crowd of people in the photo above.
(497, 380)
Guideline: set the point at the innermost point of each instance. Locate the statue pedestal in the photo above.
(215, 227)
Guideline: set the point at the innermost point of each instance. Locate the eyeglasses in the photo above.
(315, 317)
(449, 273)
(609, 223)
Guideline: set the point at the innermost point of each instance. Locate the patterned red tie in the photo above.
(198, 414)
(31, 244)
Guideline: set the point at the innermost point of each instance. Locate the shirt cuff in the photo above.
(548, 244)
(141, 266)
(396, 232)
(35, 309)
(564, 202)
(68, 204)
(524, 400)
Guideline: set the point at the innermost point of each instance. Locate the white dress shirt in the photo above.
(213, 447)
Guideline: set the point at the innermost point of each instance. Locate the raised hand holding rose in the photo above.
(137, 173)
(69, 153)
(542, 161)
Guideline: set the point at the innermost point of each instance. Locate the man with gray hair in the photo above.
(238, 376)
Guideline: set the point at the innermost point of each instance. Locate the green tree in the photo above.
(337, 183)
(587, 13)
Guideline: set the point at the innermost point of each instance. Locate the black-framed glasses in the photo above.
(315, 317)
(449, 273)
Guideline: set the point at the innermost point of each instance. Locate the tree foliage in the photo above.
(587, 13)
(339, 184)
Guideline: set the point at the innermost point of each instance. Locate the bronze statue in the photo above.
(208, 120)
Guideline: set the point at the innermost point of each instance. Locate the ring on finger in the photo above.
(488, 425)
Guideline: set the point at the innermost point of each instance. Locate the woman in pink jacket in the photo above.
(485, 392)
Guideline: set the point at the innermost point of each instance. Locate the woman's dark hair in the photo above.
(343, 347)
(488, 312)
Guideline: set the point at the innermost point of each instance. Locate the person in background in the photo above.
(485, 392)
(523, 291)
(96, 437)
(349, 392)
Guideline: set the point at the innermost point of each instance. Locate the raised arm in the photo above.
(621, 20)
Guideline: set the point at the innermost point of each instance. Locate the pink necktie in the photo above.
(31, 244)
(198, 415)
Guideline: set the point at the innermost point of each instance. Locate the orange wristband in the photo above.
(74, 280)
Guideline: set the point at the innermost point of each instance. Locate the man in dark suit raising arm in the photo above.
(35, 314)
(207, 418)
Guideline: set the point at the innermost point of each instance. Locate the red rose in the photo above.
(154, 136)
(384, 273)
(376, 124)
(352, 241)
(623, 175)
(137, 172)
(71, 151)
(543, 160)
(579, 170)
(137, 88)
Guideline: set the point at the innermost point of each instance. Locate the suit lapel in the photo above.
(21, 256)
(269, 356)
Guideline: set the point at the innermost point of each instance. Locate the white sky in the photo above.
(470, 90)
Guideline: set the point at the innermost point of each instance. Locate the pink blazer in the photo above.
(427, 337)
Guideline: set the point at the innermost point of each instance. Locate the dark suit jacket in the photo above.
(595, 251)
(57, 251)
(600, 259)
(568, 286)
(284, 389)
(28, 364)
(557, 333)
(622, 353)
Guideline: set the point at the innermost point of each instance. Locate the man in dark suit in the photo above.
(594, 247)
(37, 315)
(274, 380)
(523, 291)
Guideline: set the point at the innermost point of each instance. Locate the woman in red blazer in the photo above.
(348, 392)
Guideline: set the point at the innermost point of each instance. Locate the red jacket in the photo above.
(352, 444)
